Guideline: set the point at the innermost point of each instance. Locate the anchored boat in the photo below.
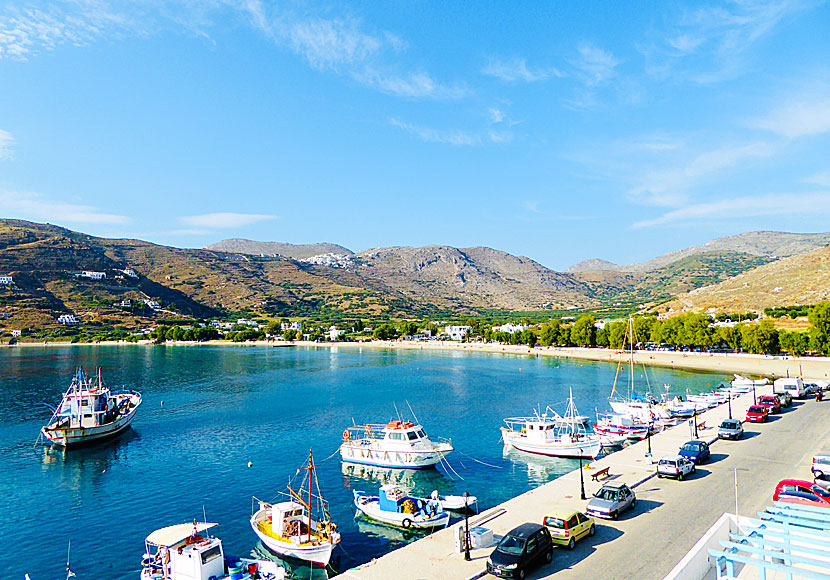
(546, 435)
(89, 412)
(287, 527)
(392, 506)
(398, 444)
(187, 552)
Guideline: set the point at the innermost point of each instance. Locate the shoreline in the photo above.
(724, 363)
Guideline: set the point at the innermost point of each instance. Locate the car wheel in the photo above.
(633, 503)
(521, 575)
(592, 530)
(694, 469)
(571, 544)
(549, 556)
(615, 514)
(680, 476)
(659, 476)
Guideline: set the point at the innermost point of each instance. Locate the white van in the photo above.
(794, 386)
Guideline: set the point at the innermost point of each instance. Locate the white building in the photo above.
(246, 322)
(67, 319)
(16, 333)
(335, 333)
(296, 325)
(152, 304)
(129, 272)
(6, 280)
(510, 328)
(457, 332)
(93, 275)
(331, 260)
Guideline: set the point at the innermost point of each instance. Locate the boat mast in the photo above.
(310, 474)
(631, 362)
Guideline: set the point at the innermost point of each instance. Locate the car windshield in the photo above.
(555, 522)
(606, 494)
(512, 545)
(729, 425)
(756, 409)
(820, 491)
(667, 462)
(691, 447)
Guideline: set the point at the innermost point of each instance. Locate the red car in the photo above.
(803, 492)
(771, 402)
(757, 414)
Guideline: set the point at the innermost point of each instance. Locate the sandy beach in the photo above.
(745, 364)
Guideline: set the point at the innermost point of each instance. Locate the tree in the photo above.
(289, 334)
(527, 337)
(820, 332)
(794, 343)
(584, 331)
(616, 334)
(273, 327)
(767, 337)
(408, 328)
(159, 333)
(385, 332)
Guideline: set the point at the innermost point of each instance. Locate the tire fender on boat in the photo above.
(406, 523)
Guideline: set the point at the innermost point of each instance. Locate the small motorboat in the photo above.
(392, 506)
(740, 381)
(455, 502)
(619, 424)
(187, 552)
(397, 444)
(90, 412)
(287, 527)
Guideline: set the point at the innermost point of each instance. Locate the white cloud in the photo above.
(595, 66)
(800, 117)
(822, 179)
(457, 138)
(224, 220)
(331, 44)
(657, 143)
(806, 204)
(668, 187)
(531, 206)
(6, 142)
(412, 85)
(37, 207)
(516, 69)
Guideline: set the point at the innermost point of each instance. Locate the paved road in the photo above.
(671, 516)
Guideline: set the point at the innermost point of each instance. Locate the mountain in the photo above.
(763, 243)
(791, 281)
(471, 277)
(295, 251)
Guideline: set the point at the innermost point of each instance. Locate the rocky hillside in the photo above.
(792, 281)
(771, 245)
(295, 251)
(474, 277)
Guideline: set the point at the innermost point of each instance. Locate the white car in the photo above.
(675, 466)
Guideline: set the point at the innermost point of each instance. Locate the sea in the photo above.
(221, 425)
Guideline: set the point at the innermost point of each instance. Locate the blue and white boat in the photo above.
(398, 445)
(392, 506)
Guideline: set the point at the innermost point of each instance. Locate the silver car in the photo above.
(730, 429)
(611, 499)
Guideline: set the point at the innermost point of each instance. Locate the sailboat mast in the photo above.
(631, 350)
(310, 474)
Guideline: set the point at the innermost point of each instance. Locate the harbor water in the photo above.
(209, 411)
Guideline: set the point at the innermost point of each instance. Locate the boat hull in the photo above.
(369, 506)
(394, 459)
(587, 448)
(319, 553)
(77, 436)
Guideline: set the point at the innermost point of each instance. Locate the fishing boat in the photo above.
(397, 444)
(392, 506)
(544, 435)
(615, 425)
(287, 527)
(455, 503)
(741, 381)
(188, 552)
(90, 412)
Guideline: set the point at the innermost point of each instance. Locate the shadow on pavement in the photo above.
(699, 473)
(716, 457)
(750, 435)
(564, 558)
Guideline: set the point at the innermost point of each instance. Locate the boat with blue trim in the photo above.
(397, 444)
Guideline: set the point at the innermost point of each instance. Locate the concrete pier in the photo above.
(645, 543)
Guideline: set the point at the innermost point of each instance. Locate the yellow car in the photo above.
(567, 526)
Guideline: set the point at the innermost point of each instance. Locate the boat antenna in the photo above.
(413, 413)
(396, 410)
(204, 513)
(69, 572)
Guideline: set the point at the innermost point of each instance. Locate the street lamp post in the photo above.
(754, 400)
(696, 422)
(648, 436)
(466, 526)
(729, 403)
(581, 477)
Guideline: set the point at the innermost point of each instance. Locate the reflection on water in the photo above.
(294, 569)
(540, 468)
(393, 536)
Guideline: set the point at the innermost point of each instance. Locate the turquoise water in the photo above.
(208, 411)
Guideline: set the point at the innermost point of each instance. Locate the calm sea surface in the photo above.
(208, 411)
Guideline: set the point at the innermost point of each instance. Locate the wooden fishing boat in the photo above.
(392, 506)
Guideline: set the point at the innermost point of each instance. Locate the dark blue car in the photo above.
(697, 451)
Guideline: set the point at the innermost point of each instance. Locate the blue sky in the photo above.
(556, 130)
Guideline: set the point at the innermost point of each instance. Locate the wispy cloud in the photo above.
(516, 69)
(6, 142)
(808, 114)
(822, 179)
(669, 186)
(531, 206)
(411, 85)
(457, 138)
(807, 204)
(38, 207)
(657, 143)
(595, 66)
(224, 220)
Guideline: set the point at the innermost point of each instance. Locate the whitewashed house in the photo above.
(93, 275)
(7, 280)
(68, 319)
(457, 332)
(510, 328)
(130, 273)
(335, 333)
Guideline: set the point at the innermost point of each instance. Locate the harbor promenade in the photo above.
(670, 516)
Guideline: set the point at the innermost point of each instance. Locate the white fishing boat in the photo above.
(566, 421)
(188, 552)
(709, 399)
(397, 444)
(288, 528)
(741, 381)
(455, 502)
(90, 412)
(614, 425)
(545, 436)
(612, 440)
(392, 506)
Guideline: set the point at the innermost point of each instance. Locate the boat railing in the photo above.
(367, 431)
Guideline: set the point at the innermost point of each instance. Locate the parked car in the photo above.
(821, 465)
(675, 466)
(798, 488)
(771, 402)
(696, 451)
(785, 399)
(757, 414)
(566, 526)
(611, 499)
(521, 550)
(730, 429)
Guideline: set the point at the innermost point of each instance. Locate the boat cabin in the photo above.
(404, 431)
(182, 552)
(391, 498)
(289, 519)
